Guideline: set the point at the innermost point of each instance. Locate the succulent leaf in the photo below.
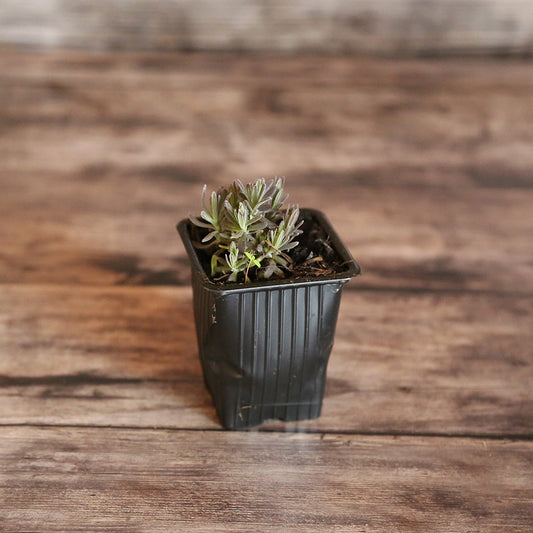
(248, 229)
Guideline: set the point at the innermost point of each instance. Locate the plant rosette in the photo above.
(266, 293)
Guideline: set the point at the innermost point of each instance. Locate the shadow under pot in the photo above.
(264, 346)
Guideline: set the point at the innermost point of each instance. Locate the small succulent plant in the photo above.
(246, 231)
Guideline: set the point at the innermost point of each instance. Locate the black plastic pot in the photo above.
(264, 346)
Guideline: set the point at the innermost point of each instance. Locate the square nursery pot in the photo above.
(264, 346)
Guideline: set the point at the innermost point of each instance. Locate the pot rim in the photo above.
(352, 267)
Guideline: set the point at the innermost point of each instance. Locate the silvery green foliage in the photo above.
(247, 230)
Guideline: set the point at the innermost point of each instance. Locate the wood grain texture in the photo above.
(402, 363)
(122, 480)
(380, 27)
(424, 168)
(426, 164)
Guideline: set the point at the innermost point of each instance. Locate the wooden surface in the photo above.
(65, 479)
(426, 170)
(381, 27)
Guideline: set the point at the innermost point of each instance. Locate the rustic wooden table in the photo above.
(426, 170)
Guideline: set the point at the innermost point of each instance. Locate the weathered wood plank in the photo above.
(426, 163)
(366, 26)
(123, 480)
(402, 363)
(122, 231)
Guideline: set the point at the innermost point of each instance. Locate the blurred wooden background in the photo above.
(425, 168)
(381, 27)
